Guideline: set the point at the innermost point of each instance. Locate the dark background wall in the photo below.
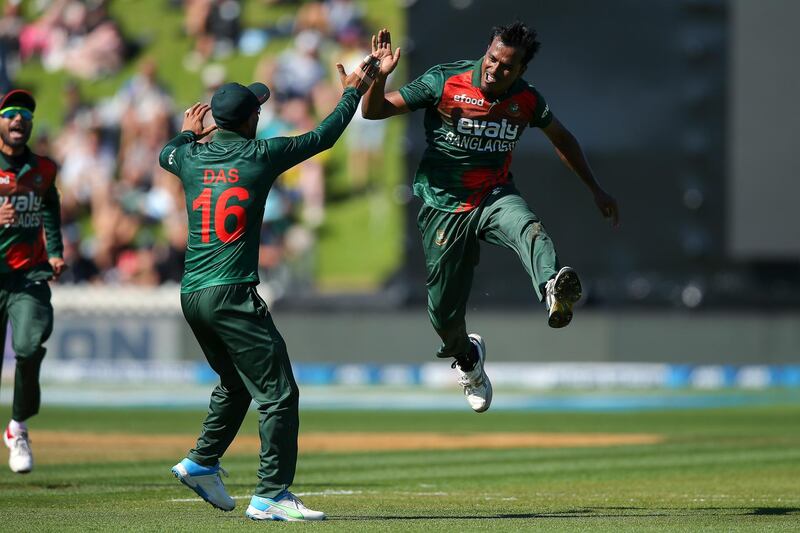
(763, 220)
(645, 88)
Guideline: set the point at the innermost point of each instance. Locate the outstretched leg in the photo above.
(507, 221)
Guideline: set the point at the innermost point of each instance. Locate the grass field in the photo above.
(721, 470)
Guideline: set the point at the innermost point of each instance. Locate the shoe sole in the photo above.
(482, 351)
(567, 291)
(28, 471)
(197, 490)
(257, 516)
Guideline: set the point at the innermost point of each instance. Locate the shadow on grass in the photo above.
(772, 511)
(596, 512)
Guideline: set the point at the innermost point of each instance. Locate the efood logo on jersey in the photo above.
(466, 99)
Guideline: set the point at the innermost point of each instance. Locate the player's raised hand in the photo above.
(382, 49)
(362, 77)
(193, 120)
(607, 206)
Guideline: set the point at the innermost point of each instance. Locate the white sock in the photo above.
(17, 427)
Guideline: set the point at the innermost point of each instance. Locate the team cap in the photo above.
(233, 103)
(18, 98)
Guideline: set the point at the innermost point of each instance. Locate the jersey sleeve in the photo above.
(541, 113)
(170, 157)
(51, 218)
(424, 91)
(286, 152)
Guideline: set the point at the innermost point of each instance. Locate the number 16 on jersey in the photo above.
(225, 207)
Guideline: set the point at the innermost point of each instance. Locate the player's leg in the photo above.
(230, 398)
(3, 321)
(31, 318)
(200, 470)
(263, 362)
(451, 254)
(259, 353)
(506, 220)
(14, 428)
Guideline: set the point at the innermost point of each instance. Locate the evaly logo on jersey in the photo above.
(27, 207)
(489, 129)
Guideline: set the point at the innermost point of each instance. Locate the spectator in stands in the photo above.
(215, 26)
(364, 138)
(11, 25)
(75, 36)
(116, 201)
(298, 69)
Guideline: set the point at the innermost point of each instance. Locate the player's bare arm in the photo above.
(378, 104)
(569, 150)
(193, 120)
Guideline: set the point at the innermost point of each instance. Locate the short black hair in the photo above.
(518, 35)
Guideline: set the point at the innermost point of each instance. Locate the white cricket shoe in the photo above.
(20, 457)
(477, 387)
(561, 293)
(205, 481)
(285, 506)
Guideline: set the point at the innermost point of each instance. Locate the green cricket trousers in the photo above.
(451, 242)
(242, 345)
(25, 302)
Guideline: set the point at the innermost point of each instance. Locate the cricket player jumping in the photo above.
(226, 183)
(475, 113)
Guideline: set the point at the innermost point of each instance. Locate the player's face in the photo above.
(501, 67)
(15, 131)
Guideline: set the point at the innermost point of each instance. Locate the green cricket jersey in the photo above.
(470, 138)
(29, 183)
(226, 182)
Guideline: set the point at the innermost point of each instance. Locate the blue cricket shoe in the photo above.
(205, 481)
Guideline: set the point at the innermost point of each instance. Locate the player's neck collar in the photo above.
(229, 136)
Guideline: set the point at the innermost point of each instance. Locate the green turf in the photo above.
(719, 470)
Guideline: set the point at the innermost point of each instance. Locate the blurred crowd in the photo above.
(123, 217)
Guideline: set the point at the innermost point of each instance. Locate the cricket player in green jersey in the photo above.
(226, 182)
(475, 113)
(30, 254)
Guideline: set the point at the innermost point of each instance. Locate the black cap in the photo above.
(233, 103)
(18, 98)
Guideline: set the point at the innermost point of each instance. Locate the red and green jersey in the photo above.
(226, 183)
(29, 184)
(470, 137)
